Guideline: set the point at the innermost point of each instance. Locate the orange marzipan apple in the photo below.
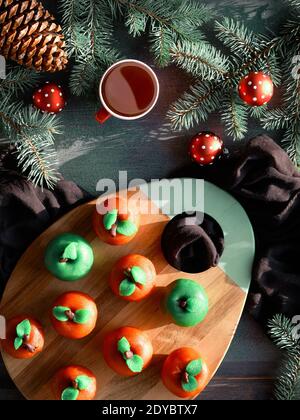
(119, 224)
(174, 373)
(133, 277)
(139, 345)
(66, 378)
(30, 344)
(74, 315)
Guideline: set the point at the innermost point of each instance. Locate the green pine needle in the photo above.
(195, 105)
(249, 52)
(274, 119)
(17, 80)
(200, 59)
(234, 114)
(86, 71)
(169, 22)
(295, 4)
(237, 37)
(33, 134)
(285, 335)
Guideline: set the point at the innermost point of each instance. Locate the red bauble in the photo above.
(205, 148)
(49, 98)
(256, 89)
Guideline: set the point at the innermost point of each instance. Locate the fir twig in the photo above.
(33, 135)
(195, 105)
(170, 22)
(89, 28)
(284, 333)
(234, 115)
(249, 52)
(17, 80)
(200, 59)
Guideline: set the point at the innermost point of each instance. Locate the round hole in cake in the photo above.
(193, 242)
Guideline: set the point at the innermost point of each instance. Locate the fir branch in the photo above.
(71, 11)
(295, 4)
(161, 41)
(136, 22)
(181, 17)
(200, 59)
(274, 119)
(85, 72)
(17, 80)
(170, 22)
(237, 37)
(283, 332)
(249, 53)
(89, 25)
(33, 135)
(234, 114)
(291, 141)
(258, 112)
(195, 105)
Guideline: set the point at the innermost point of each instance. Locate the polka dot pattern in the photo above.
(205, 148)
(49, 98)
(256, 89)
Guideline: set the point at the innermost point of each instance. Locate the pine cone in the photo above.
(30, 36)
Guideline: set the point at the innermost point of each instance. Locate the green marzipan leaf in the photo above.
(126, 228)
(194, 367)
(138, 275)
(59, 313)
(193, 305)
(24, 328)
(82, 316)
(135, 364)
(126, 288)
(70, 251)
(18, 343)
(110, 219)
(83, 382)
(123, 345)
(191, 385)
(69, 394)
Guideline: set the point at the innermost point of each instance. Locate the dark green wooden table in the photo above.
(148, 149)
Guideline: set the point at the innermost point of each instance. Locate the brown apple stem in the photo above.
(185, 377)
(63, 260)
(74, 384)
(29, 347)
(128, 274)
(113, 230)
(70, 315)
(183, 303)
(129, 354)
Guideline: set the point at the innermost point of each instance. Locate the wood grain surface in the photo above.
(32, 289)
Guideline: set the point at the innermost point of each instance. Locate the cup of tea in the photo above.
(128, 90)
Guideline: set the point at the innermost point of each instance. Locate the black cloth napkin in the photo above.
(26, 211)
(266, 183)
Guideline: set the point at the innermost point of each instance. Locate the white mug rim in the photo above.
(122, 117)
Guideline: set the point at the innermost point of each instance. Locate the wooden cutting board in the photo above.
(31, 290)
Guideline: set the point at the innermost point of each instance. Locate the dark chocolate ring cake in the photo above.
(191, 246)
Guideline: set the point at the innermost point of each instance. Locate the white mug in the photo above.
(106, 111)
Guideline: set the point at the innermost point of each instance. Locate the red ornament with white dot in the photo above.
(256, 89)
(205, 148)
(49, 98)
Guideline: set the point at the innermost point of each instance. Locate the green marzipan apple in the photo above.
(187, 302)
(69, 257)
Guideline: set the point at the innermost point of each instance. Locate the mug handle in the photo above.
(102, 115)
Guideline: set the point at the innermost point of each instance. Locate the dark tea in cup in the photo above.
(128, 90)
